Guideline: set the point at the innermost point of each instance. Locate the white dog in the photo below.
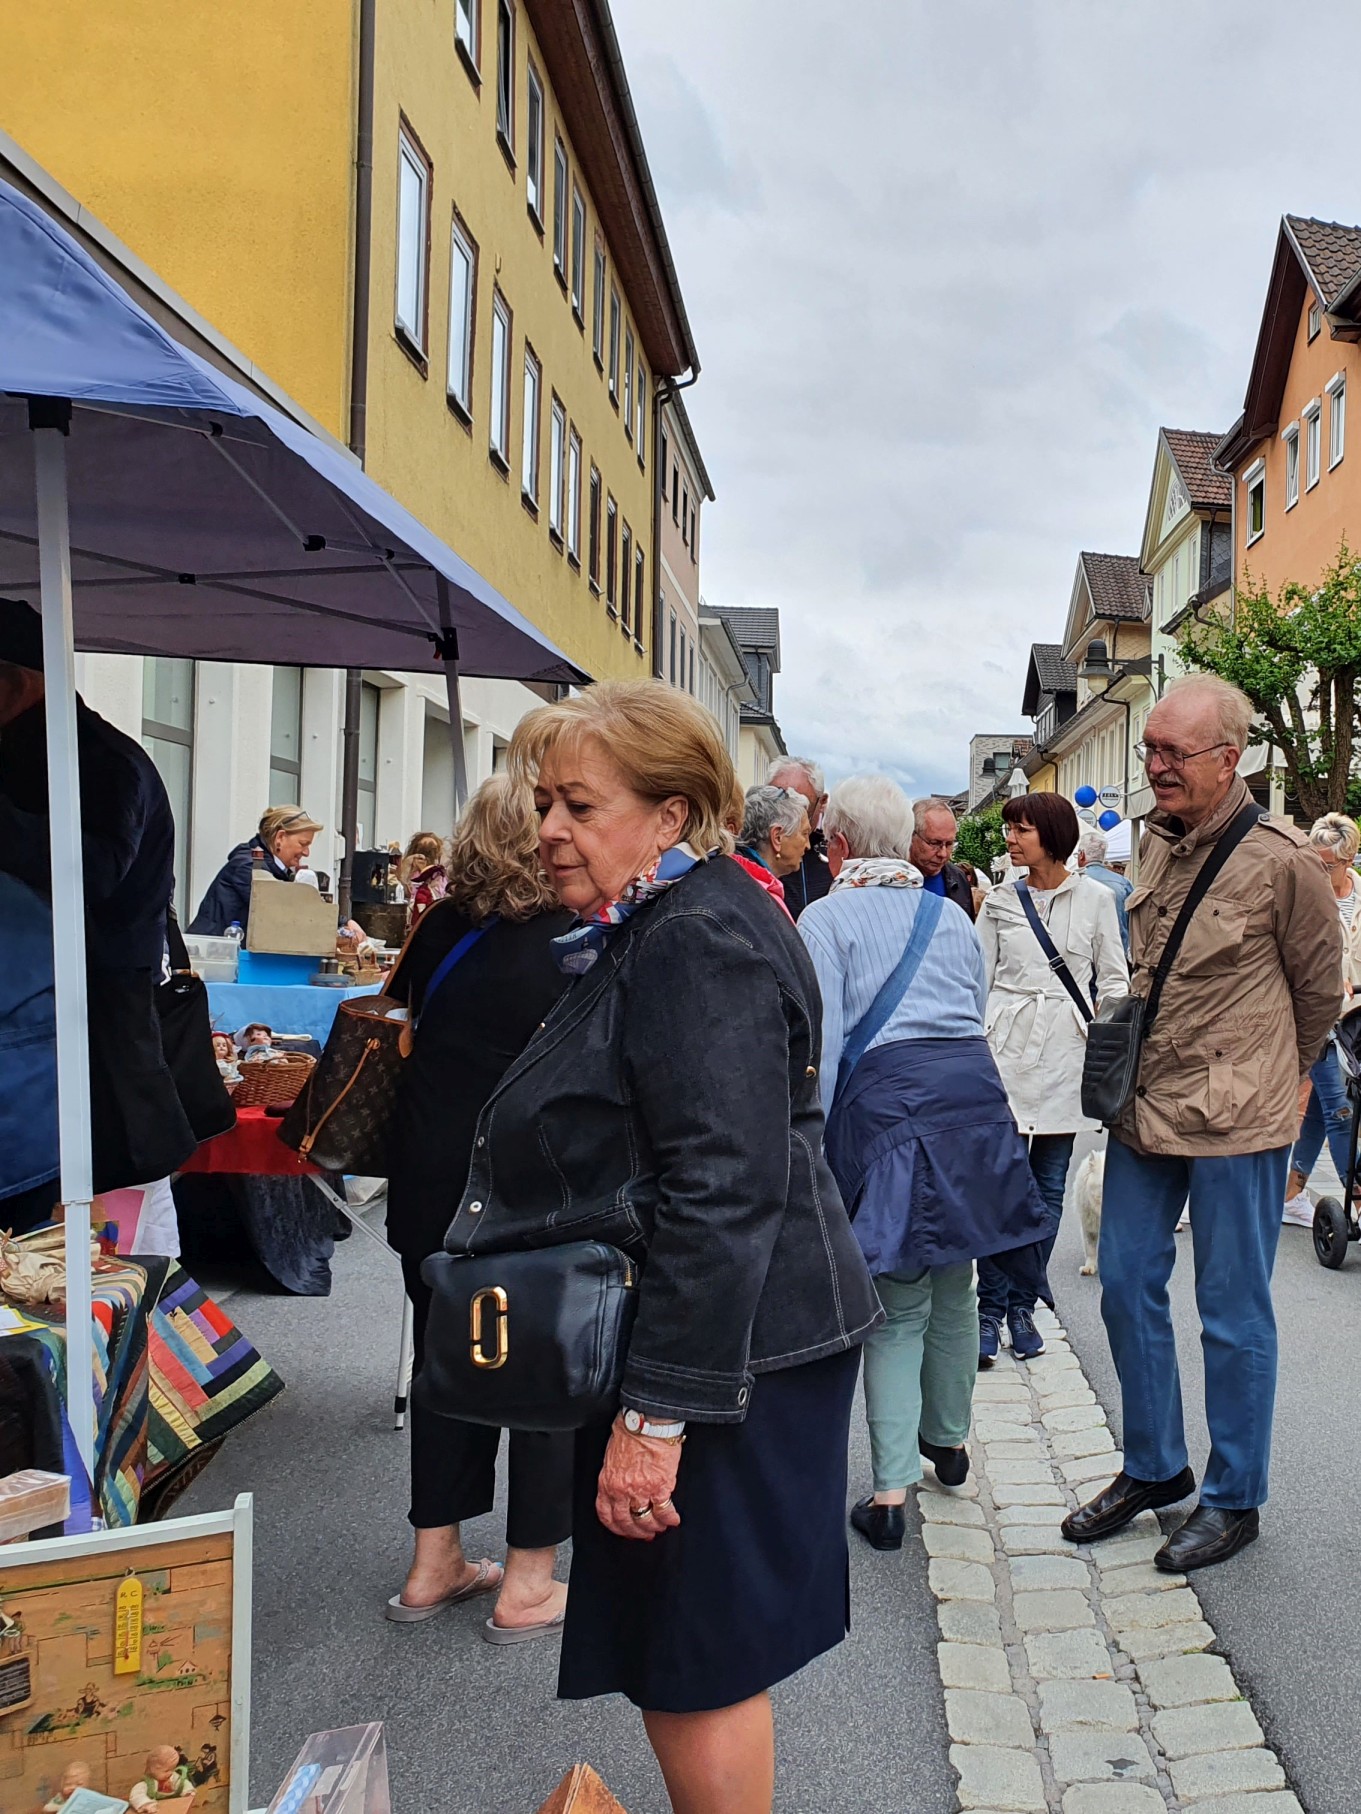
(1091, 1181)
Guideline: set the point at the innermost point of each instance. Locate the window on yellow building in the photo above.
(467, 25)
(578, 254)
(593, 532)
(1291, 437)
(639, 591)
(611, 553)
(598, 308)
(626, 581)
(1254, 482)
(505, 76)
(413, 236)
(534, 146)
(529, 452)
(462, 312)
(560, 209)
(500, 379)
(557, 467)
(640, 415)
(614, 345)
(574, 498)
(1337, 419)
(675, 492)
(1315, 320)
(628, 382)
(1313, 439)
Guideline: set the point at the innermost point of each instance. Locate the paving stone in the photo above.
(1217, 1726)
(991, 1777)
(1071, 1390)
(990, 1430)
(1166, 1640)
(1008, 1402)
(1138, 1578)
(1113, 1798)
(1031, 1514)
(1074, 1417)
(1034, 1540)
(988, 1719)
(1054, 1360)
(1134, 1552)
(1055, 1609)
(929, 1486)
(990, 1391)
(1142, 1529)
(1225, 1773)
(936, 1508)
(1005, 1472)
(1023, 1446)
(1278, 1801)
(1072, 1444)
(1074, 1655)
(968, 1622)
(1102, 1466)
(961, 1580)
(958, 1542)
(978, 1666)
(1091, 1756)
(1140, 1612)
(1026, 1492)
(1066, 1704)
(1184, 1681)
(1036, 1574)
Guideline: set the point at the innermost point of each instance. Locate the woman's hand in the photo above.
(637, 1471)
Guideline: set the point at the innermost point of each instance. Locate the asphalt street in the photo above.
(1287, 1610)
(473, 1728)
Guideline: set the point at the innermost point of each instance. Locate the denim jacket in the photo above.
(669, 1105)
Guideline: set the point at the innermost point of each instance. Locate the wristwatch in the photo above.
(638, 1425)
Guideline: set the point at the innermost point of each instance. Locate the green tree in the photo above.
(980, 838)
(1298, 658)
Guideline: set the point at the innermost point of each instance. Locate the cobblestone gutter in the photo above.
(1078, 1680)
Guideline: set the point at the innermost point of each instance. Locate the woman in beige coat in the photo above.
(1034, 1024)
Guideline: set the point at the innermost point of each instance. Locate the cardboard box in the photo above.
(289, 920)
(31, 1500)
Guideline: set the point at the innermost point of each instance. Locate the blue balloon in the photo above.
(1109, 819)
(1085, 796)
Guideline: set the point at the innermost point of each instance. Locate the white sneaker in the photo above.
(1298, 1211)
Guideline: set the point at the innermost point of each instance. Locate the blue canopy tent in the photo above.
(153, 506)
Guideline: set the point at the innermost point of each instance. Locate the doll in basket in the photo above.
(224, 1051)
(257, 1041)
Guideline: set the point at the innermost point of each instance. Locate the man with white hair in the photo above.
(1091, 860)
(812, 879)
(934, 830)
(1232, 1025)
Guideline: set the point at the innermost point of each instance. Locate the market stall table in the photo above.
(288, 1008)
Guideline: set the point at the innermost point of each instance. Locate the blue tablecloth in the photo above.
(301, 1009)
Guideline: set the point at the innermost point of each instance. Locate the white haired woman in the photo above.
(281, 845)
(919, 1137)
(1335, 839)
(775, 831)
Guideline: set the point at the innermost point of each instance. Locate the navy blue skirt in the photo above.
(754, 1581)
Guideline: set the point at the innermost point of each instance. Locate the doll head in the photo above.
(224, 1047)
(162, 1763)
(257, 1034)
(74, 1776)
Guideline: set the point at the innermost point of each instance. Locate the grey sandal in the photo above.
(522, 1634)
(482, 1583)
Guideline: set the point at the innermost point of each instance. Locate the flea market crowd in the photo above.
(706, 1101)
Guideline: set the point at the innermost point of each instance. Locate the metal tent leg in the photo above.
(406, 1360)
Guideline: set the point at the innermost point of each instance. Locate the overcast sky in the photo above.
(949, 266)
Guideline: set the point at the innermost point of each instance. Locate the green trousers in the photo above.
(920, 1367)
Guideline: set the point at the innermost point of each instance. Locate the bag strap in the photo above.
(896, 985)
(446, 964)
(1225, 845)
(1057, 962)
(175, 945)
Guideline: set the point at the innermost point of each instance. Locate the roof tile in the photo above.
(1331, 251)
(1193, 450)
(1117, 587)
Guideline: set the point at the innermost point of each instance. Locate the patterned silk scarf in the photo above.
(576, 951)
(878, 872)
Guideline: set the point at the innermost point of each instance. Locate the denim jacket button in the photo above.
(473, 1208)
(743, 1395)
(812, 1071)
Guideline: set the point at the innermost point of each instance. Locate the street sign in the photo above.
(1087, 816)
(1111, 796)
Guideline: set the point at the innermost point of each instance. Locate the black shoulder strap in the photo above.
(1051, 950)
(1228, 841)
(174, 939)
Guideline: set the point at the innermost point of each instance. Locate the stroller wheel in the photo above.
(1331, 1233)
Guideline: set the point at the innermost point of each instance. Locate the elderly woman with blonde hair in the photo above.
(477, 976)
(1335, 839)
(669, 1107)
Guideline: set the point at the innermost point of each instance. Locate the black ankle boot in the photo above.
(882, 1526)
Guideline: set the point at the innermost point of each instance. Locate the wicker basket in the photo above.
(272, 1083)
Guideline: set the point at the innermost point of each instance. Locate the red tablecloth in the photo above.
(252, 1148)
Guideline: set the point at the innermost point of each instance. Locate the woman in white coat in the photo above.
(1037, 1018)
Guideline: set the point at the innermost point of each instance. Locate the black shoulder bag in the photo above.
(187, 1041)
(1115, 1039)
(1057, 962)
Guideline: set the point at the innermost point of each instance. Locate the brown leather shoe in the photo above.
(1120, 1504)
(1209, 1535)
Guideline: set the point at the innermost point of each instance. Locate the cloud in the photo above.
(949, 267)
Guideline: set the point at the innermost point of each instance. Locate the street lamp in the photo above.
(1097, 666)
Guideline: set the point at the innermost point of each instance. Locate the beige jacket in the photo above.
(1251, 996)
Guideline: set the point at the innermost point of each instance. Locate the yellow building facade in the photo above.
(522, 307)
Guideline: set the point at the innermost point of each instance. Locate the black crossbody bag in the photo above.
(1115, 1039)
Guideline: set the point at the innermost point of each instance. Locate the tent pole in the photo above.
(447, 650)
(349, 788)
(68, 920)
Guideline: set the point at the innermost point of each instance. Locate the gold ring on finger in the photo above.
(641, 1511)
(664, 1505)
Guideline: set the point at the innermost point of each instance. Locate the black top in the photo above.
(227, 901)
(127, 834)
(811, 880)
(479, 1021)
(957, 888)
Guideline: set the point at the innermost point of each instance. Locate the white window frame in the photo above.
(1336, 388)
(628, 382)
(411, 161)
(561, 184)
(505, 76)
(574, 495)
(598, 307)
(640, 414)
(1291, 438)
(1315, 322)
(535, 120)
(462, 303)
(468, 26)
(626, 569)
(499, 413)
(557, 466)
(1254, 476)
(578, 254)
(529, 451)
(616, 324)
(1312, 417)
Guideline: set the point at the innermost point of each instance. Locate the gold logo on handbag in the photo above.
(495, 1296)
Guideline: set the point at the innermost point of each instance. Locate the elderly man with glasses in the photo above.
(933, 842)
(1247, 1003)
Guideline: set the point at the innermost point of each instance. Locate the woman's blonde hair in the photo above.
(275, 819)
(661, 741)
(494, 856)
(1337, 833)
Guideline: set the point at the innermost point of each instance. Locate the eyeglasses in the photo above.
(946, 844)
(1174, 759)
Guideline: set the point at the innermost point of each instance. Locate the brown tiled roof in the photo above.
(1331, 251)
(1193, 451)
(1053, 673)
(1116, 585)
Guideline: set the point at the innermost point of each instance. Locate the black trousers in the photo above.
(453, 1464)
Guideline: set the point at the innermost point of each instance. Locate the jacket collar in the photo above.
(1169, 828)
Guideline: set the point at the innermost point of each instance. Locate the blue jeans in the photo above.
(1049, 1158)
(1235, 1225)
(1329, 1113)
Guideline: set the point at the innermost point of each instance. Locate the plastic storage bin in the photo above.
(215, 959)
